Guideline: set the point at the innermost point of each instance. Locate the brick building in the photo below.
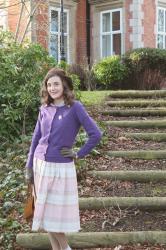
(93, 28)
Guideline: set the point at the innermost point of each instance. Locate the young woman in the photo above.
(50, 163)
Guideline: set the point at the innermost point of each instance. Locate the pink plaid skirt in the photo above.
(56, 206)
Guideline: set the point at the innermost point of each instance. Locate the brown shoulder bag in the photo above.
(29, 205)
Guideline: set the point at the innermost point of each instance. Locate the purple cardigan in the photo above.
(57, 127)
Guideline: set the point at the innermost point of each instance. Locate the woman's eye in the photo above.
(54, 84)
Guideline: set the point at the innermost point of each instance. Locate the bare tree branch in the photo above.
(26, 6)
(5, 7)
(30, 19)
(19, 21)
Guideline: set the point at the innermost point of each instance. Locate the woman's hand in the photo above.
(29, 178)
(68, 152)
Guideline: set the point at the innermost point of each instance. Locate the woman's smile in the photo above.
(55, 88)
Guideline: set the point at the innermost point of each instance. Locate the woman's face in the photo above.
(55, 88)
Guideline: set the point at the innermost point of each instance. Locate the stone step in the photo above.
(138, 94)
(141, 124)
(93, 239)
(126, 175)
(138, 103)
(135, 112)
(138, 154)
(142, 203)
(157, 137)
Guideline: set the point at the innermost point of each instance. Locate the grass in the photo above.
(94, 97)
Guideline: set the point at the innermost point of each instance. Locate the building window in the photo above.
(161, 30)
(111, 32)
(3, 17)
(55, 34)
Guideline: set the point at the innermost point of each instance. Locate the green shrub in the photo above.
(85, 75)
(22, 69)
(78, 70)
(110, 71)
(146, 67)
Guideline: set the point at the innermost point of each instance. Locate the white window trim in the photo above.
(160, 32)
(3, 17)
(156, 26)
(111, 32)
(58, 33)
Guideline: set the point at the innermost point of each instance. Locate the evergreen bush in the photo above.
(110, 71)
(22, 69)
(146, 67)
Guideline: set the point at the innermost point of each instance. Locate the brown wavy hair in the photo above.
(68, 90)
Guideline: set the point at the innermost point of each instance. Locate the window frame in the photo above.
(66, 34)
(111, 32)
(3, 16)
(163, 33)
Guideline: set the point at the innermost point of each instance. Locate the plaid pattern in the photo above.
(56, 206)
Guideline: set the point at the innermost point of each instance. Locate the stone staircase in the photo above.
(141, 115)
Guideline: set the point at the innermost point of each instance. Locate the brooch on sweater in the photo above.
(60, 117)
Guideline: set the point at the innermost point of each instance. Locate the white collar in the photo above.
(61, 104)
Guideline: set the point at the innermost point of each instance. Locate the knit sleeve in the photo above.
(35, 139)
(94, 133)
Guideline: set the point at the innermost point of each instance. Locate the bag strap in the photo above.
(30, 188)
(34, 189)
